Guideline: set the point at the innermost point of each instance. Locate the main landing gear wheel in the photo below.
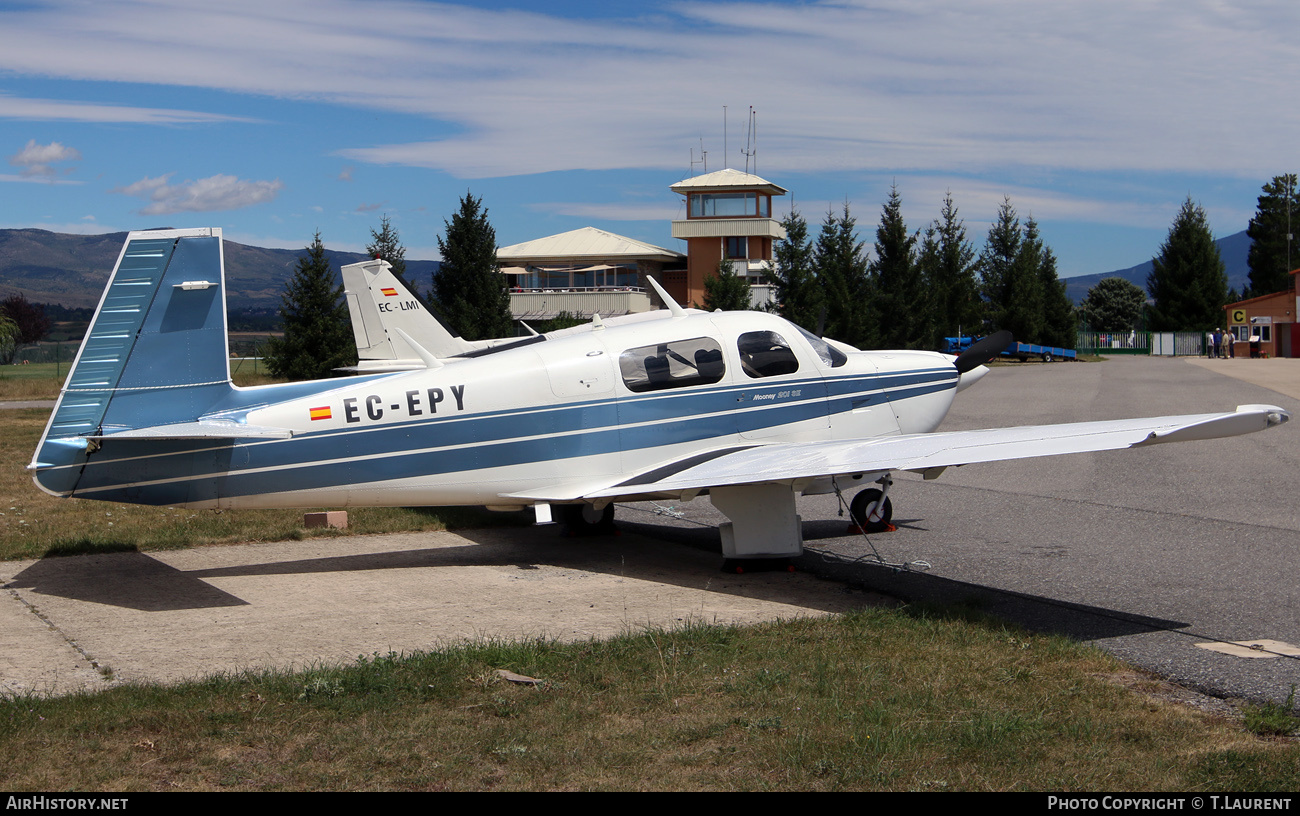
(585, 520)
(879, 521)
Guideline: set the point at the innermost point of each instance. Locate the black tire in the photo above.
(858, 511)
(1047, 358)
(585, 520)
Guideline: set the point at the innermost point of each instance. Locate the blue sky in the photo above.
(275, 119)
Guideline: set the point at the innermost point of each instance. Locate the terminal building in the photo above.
(584, 272)
(589, 270)
(1269, 318)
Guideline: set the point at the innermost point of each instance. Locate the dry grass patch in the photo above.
(881, 700)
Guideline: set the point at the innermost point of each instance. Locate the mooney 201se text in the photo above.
(743, 406)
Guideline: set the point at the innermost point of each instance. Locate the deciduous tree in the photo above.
(32, 322)
(1112, 305)
(9, 338)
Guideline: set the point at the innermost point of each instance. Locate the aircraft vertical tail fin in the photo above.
(155, 352)
(380, 305)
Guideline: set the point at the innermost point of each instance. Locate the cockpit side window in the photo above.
(765, 354)
(829, 355)
(678, 364)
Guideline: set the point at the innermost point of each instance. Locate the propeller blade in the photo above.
(983, 351)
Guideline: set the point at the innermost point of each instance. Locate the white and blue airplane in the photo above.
(742, 406)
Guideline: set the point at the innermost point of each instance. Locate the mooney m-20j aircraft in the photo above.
(743, 406)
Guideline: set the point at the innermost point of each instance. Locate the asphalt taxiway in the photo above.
(1151, 554)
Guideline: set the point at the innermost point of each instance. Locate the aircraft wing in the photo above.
(791, 462)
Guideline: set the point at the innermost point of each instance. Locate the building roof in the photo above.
(726, 180)
(586, 244)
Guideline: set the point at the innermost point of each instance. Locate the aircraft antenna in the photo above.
(424, 354)
(673, 307)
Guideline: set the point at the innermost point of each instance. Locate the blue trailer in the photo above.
(1020, 351)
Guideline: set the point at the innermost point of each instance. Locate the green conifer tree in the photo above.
(900, 298)
(798, 294)
(468, 288)
(725, 289)
(1273, 252)
(386, 244)
(1188, 285)
(1060, 323)
(1009, 271)
(841, 268)
(317, 330)
(947, 260)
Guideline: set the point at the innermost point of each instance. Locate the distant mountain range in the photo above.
(71, 270)
(1233, 250)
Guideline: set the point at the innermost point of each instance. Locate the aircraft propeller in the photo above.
(983, 351)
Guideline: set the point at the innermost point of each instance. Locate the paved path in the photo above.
(87, 622)
(10, 404)
(1281, 375)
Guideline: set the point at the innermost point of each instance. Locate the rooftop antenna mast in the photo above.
(704, 158)
(724, 136)
(751, 141)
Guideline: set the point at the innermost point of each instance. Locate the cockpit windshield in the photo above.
(829, 355)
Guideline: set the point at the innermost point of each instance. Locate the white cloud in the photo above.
(36, 179)
(922, 85)
(86, 226)
(37, 159)
(52, 110)
(219, 192)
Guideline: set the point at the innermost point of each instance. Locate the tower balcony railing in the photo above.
(579, 301)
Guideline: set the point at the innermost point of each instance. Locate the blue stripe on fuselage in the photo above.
(462, 443)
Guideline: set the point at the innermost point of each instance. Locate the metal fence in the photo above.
(1130, 342)
(1166, 344)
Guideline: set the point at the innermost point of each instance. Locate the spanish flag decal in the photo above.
(389, 291)
(320, 413)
